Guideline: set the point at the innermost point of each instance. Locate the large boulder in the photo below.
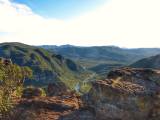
(127, 94)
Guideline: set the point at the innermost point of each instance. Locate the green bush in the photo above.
(11, 81)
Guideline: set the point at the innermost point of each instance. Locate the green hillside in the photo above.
(103, 69)
(101, 59)
(95, 55)
(150, 62)
(47, 67)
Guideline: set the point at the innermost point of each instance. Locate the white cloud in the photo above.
(126, 23)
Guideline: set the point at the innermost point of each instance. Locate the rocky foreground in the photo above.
(50, 108)
(127, 94)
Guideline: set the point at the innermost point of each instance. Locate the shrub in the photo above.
(11, 81)
(31, 91)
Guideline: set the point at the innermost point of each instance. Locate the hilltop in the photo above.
(47, 67)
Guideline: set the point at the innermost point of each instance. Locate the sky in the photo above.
(123, 23)
(61, 9)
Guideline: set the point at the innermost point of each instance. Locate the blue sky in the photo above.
(61, 9)
(124, 23)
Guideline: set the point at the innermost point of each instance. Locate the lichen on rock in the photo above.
(127, 94)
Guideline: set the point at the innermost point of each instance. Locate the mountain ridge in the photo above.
(113, 53)
(47, 66)
(101, 59)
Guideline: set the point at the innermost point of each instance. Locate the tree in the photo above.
(12, 78)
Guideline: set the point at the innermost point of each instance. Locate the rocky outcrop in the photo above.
(127, 94)
(58, 88)
(50, 108)
(5, 61)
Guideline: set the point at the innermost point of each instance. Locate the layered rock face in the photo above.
(127, 94)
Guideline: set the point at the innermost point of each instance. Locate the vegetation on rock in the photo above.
(12, 78)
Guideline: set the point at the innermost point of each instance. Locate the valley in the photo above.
(102, 59)
(79, 60)
(77, 83)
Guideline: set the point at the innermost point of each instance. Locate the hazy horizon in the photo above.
(83, 45)
(123, 23)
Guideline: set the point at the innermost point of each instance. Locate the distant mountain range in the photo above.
(103, 53)
(72, 64)
(150, 62)
(101, 59)
(47, 67)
